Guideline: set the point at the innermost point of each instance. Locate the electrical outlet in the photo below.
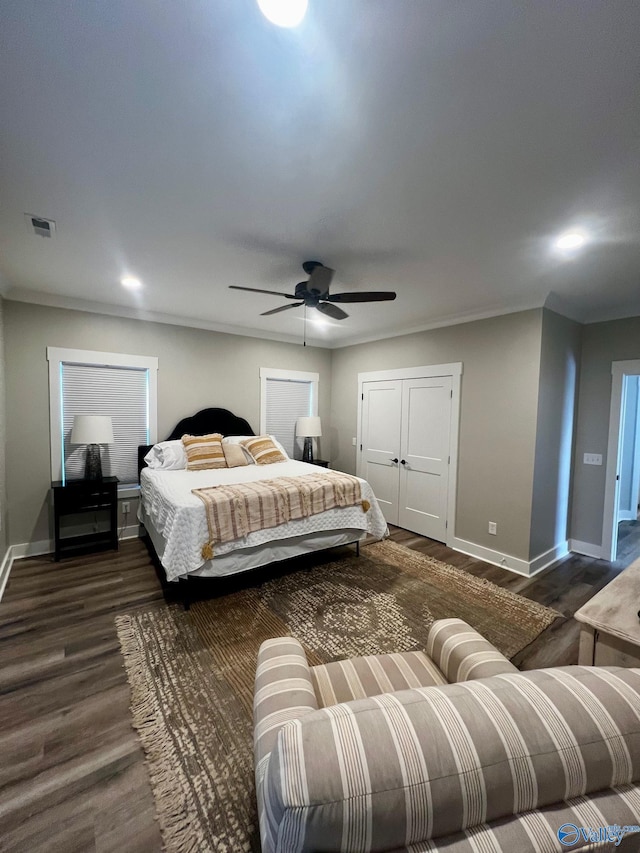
(126, 506)
(493, 527)
(592, 458)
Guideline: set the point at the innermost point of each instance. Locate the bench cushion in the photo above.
(357, 678)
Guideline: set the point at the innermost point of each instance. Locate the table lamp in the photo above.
(308, 428)
(92, 430)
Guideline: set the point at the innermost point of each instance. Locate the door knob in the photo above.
(395, 460)
(403, 461)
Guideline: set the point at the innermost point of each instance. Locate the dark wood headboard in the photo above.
(202, 423)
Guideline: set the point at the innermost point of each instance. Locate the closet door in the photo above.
(424, 466)
(381, 412)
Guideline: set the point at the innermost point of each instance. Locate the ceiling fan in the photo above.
(314, 293)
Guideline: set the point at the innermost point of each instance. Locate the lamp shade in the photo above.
(308, 427)
(92, 429)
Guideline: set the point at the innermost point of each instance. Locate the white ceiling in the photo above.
(427, 146)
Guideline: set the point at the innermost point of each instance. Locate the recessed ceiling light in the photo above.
(130, 282)
(283, 13)
(571, 241)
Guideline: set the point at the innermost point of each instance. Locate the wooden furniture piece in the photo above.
(323, 463)
(609, 623)
(81, 497)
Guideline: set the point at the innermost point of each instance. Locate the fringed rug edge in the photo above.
(147, 720)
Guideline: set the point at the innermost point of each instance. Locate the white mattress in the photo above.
(179, 516)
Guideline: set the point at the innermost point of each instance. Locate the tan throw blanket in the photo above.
(235, 511)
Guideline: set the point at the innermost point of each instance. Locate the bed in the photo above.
(176, 521)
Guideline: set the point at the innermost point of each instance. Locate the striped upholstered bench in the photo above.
(451, 749)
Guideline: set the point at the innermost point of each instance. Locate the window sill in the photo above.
(128, 492)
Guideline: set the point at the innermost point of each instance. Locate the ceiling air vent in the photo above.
(40, 226)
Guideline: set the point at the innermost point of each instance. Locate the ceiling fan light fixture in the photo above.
(284, 13)
(319, 320)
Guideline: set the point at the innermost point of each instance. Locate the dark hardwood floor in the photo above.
(628, 541)
(72, 773)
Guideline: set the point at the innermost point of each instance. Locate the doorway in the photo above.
(621, 531)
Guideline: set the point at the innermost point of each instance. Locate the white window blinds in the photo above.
(286, 401)
(120, 392)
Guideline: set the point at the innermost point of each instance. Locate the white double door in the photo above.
(406, 437)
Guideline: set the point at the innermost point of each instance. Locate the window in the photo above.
(285, 396)
(82, 382)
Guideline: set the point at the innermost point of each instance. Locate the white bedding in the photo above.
(179, 516)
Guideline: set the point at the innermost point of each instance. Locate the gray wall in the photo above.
(501, 361)
(3, 427)
(557, 401)
(514, 413)
(602, 343)
(197, 368)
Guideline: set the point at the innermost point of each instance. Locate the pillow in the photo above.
(263, 450)
(204, 451)
(239, 439)
(235, 455)
(279, 446)
(168, 455)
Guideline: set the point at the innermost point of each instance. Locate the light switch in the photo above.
(593, 458)
(353, 441)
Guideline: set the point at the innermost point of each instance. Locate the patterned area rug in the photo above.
(191, 673)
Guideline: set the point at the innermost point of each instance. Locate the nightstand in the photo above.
(323, 463)
(81, 497)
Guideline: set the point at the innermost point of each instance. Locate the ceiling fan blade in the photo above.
(332, 310)
(281, 308)
(257, 290)
(370, 296)
(320, 278)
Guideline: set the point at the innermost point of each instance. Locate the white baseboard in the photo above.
(5, 568)
(47, 546)
(496, 558)
(588, 549)
(132, 531)
(31, 549)
(528, 568)
(17, 552)
(548, 558)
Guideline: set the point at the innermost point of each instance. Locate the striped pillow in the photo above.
(204, 451)
(263, 450)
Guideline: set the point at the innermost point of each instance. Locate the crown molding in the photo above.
(53, 300)
(450, 320)
(552, 302)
